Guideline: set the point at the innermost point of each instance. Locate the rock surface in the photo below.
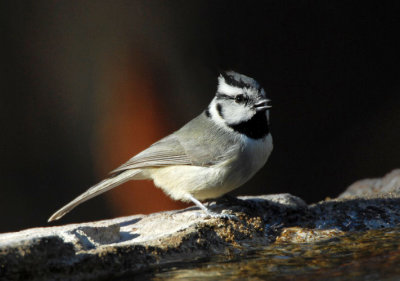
(112, 248)
(389, 184)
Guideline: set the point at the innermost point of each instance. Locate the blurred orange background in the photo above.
(133, 119)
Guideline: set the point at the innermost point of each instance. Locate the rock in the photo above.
(306, 235)
(389, 184)
(129, 244)
(357, 214)
(126, 245)
(284, 200)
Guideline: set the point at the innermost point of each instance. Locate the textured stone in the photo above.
(128, 244)
(306, 235)
(389, 184)
(120, 246)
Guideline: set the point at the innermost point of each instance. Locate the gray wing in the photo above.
(167, 151)
(198, 143)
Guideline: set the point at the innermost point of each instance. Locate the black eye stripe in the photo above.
(241, 98)
(238, 98)
(223, 96)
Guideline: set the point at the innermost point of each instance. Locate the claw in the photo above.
(209, 213)
(221, 216)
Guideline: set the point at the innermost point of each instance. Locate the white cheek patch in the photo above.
(215, 114)
(226, 112)
(231, 113)
(237, 114)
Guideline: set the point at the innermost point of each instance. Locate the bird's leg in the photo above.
(198, 204)
(207, 211)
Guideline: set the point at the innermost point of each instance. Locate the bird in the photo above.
(211, 155)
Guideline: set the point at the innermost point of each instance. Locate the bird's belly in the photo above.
(214, 181)
(201, 182)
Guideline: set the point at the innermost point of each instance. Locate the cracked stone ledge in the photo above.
(131, 244)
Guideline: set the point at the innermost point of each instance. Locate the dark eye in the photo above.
(240, 98)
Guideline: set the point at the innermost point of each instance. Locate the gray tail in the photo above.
(95, 190)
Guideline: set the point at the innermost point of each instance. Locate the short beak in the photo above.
(263, 105)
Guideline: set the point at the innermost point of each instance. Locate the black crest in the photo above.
(233, 79)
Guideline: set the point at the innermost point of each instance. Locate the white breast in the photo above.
(255, 155)
(212, 182)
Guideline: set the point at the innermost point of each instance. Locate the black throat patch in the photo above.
(255, 128)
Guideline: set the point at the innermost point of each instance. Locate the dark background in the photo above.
(331, 69)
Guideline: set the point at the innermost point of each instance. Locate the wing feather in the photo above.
(165, 152)
(200, 142)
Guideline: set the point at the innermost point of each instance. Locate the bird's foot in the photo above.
(210, 214)
(213, 215)
(223, 215)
